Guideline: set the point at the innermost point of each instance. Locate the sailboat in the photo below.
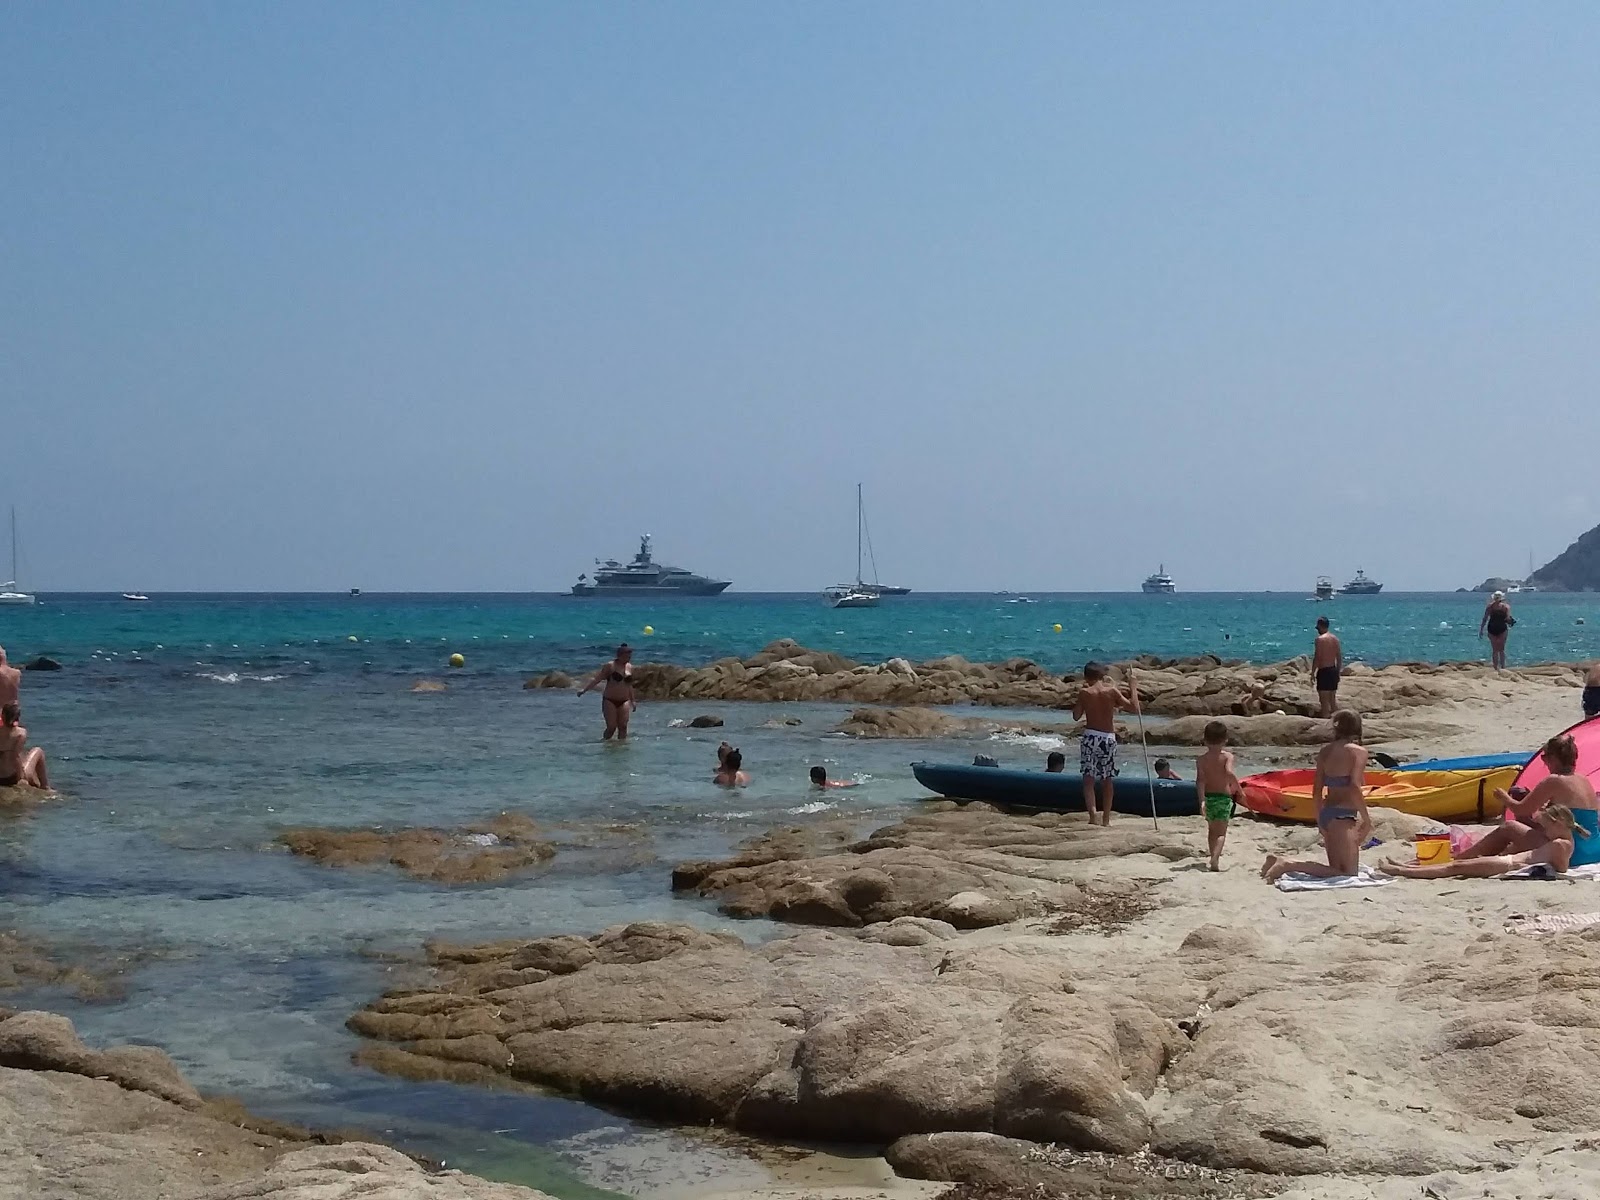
(854, 595)
(9, 593)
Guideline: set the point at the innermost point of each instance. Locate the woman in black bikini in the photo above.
(617, 700)
(1497, 622)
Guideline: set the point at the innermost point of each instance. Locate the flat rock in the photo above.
(482, 853)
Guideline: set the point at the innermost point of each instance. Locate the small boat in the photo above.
(1361, 586)
(9, 592)
(355, 591)
(1022, 600)
(1324, 588)
(1160, 583)
(1438, 795)
(846, 597)
(1055, 792)
(1471, 762)
(136, 596)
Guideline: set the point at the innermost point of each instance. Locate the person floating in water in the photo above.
(1218, 784)
(617, 698)
(1497, 622)
(730, 774)
(1556, 824)
(19, 766)
(819, 778)
(1164, 768)
(1327, 661)
(1338, 791)
(1099, 700)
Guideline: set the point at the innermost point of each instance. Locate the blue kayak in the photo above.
(1475, 762)
(1057, 793)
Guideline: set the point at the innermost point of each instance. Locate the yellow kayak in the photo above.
(1438, 795)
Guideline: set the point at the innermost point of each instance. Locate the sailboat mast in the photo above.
(13, 543)
(858, 537)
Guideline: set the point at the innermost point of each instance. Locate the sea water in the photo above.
(186, 732)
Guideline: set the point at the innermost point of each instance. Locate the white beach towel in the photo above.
(1550, 922)
(1542, 871)
(1313, 883)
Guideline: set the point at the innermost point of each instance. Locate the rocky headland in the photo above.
(1003, 1001)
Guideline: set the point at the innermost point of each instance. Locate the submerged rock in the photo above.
(550, 679)
(42, 663)
(705, 722)
(482, 853)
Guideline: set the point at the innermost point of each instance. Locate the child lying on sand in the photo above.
(1555, 821)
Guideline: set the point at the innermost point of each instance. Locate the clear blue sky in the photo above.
(437, 296)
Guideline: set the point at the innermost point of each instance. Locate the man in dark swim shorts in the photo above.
(1327, 660)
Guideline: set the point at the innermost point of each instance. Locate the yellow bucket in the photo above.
(1433, 848)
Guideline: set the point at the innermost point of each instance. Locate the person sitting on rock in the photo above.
(1164, 769)
(1055, 763)
(1555, 822)
(1338, 789)
(729, 773)
(819, 778)
(19, 765)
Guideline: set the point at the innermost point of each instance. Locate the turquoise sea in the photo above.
(186, 731)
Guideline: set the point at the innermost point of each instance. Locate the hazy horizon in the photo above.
(299, 298)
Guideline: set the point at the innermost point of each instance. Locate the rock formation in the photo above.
(123, 1124)
(481, 853)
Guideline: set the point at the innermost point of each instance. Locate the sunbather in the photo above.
(1554, 820)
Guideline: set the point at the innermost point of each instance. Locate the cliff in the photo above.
(1575, 569)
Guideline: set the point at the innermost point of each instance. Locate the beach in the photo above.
(168, 907)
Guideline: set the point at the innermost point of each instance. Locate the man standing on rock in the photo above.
(1327, 660)
(1099, 700)
(10, 682)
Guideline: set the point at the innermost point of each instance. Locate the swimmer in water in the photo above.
(19, 766)
(729, 773)
(819, 778)
(617, 697)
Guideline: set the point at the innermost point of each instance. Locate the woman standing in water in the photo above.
(1497, 622)
(617, 699)
(1339, 791)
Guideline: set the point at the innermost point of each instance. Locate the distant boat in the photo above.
(645, 577)
(1324, 588)
(1022, 600)
(1361, 586)
(854, 591)
(136, 596)
(1160, 583)
(355, 591)
(9, 592)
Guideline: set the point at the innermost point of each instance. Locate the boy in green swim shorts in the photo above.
(1217, 784)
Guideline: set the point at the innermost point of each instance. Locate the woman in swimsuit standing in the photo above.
(1339, 791)
(1497, 622)
(617, 700)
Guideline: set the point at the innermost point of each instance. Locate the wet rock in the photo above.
(550, 679)
(357, 1171)
(38, 1041)
(89, 976)
(705, 722)
(428, 685)
(481, 853)
(42, 663)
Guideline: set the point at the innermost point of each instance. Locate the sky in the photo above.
(415, 296)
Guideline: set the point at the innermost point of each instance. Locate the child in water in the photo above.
(819, 778)
(1215, 780)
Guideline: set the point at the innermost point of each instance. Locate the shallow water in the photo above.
(186, 732)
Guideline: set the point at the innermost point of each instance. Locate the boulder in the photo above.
(550, 679)
(39, 1041)
(42, 663)
(705, 722)
(485, 852)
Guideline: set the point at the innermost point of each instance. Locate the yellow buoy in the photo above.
(352, 638)
(457, 660)
(1058, 629)
(649, 629)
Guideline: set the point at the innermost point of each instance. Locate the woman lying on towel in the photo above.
(1555, 822)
